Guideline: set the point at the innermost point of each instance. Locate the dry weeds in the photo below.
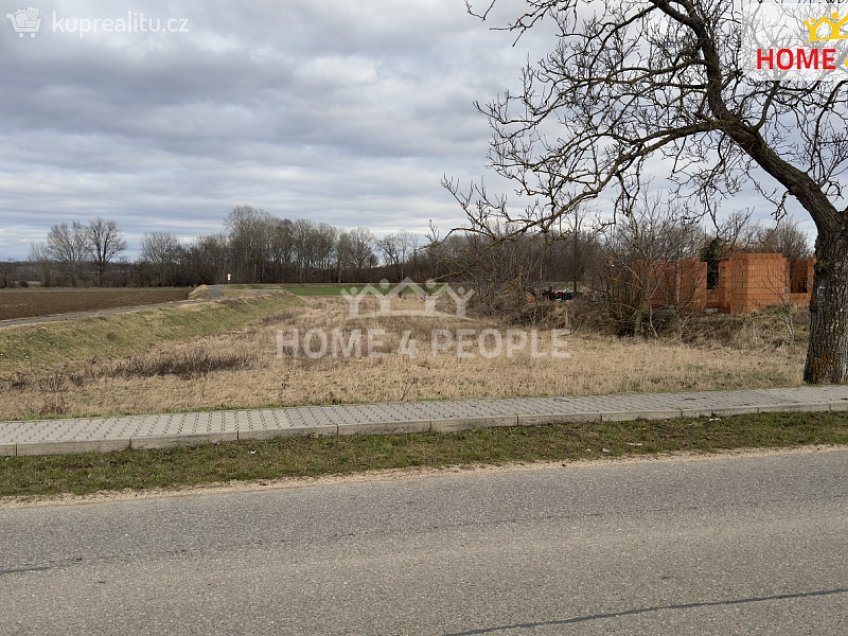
(240, 369)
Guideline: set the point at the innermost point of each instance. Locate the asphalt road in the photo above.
(724, 546)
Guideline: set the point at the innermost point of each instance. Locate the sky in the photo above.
(347, 113)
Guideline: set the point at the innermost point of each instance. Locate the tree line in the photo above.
(256, 247)
(612, 265)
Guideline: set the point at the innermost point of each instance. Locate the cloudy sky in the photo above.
(342, 112)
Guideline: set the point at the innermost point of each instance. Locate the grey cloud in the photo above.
(347, 113)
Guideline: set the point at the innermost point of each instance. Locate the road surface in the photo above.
(738, 545)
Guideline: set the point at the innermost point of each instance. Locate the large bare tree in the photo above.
(67, 246)
(104, 243)
(636, 87)
(160, 250)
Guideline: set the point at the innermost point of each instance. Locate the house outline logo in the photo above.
(834, 22)
(25, 21)
(386, 295)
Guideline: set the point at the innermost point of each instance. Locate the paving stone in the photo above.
(154, 431)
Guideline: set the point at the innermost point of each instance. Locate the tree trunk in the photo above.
(827, 355)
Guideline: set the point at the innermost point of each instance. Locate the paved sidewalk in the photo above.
(106, 434)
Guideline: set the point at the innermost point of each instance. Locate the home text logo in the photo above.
(795, 41)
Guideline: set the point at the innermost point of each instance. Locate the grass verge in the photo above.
(185, 467)
(110, 337)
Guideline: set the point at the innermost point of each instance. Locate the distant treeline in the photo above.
(258, 247)
(613, 265)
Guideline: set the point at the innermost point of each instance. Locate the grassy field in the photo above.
(224, 355)
(45, 368)
(184, 467)
(313, 291)
(308, 290)
(33, 302)
(331, 290)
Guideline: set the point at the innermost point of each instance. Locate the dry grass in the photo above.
(238, 367)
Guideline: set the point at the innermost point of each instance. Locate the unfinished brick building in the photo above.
(740, 283)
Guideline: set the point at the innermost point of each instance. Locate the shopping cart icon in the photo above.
(25, 21)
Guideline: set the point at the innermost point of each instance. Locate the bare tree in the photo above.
(160, 250)
(343, 250)
(282, 250)
(361, 251)
(734, 231)
(104, 243)
(650, 258)
(390, 248)
(636, 82)
(251, 234)
(303, 250)
(67, 246)
(397, 250)
(786, 237)
(204, 260)
(40, 255)
(324, 247)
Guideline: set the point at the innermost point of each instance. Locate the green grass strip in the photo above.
(183, 467)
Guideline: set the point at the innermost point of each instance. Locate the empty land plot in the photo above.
(31, 303)
(228, 358)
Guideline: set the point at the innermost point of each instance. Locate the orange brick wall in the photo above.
(748, 281)
(682, 283)
(759, 281)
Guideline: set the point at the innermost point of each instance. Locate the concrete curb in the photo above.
(68, 448)
(173, 441)
(300, 431)
(377, 419)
